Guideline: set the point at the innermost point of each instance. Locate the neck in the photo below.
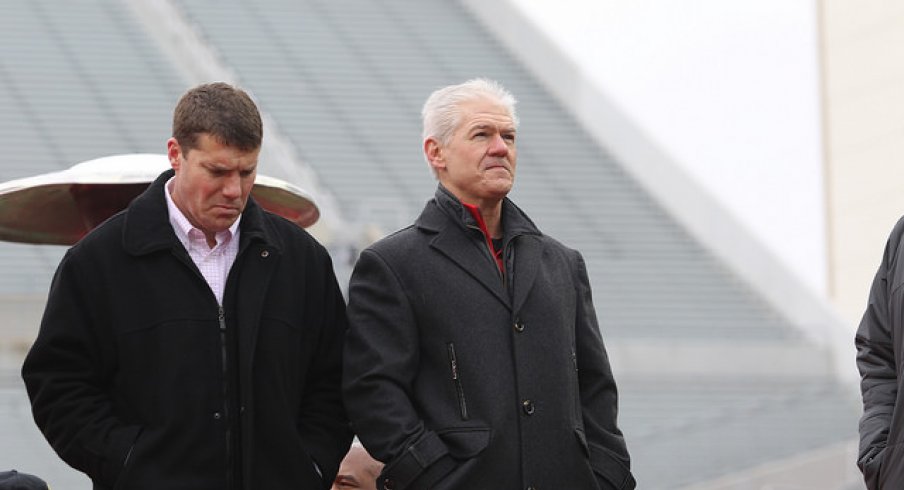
(491, 212)
(493, 218)
(211, 239)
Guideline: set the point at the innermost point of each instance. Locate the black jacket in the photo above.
(459, 378)
(880, 349)
(139, 379)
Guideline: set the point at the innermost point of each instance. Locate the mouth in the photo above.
(227, 209)
(497, 166)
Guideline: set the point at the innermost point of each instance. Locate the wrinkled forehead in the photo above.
(485, 112)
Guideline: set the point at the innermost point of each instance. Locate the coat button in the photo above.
(519, 326)
(531, 487)
(265, 254)
(217, 415)
(388, 484)
(528, 407)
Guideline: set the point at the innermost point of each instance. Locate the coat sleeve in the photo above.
(323, 424)
(876, 362)
(599, 396)
(67, 374)
(380, 361)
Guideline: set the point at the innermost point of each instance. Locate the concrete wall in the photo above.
(728, 90)
(863, 65)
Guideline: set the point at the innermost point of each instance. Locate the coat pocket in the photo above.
(120, 467)
(608, 466)
(465, 442)
(456, 381)
(870, 466)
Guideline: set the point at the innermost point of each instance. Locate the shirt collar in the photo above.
(183, 227)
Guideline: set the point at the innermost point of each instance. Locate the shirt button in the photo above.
(528, 407)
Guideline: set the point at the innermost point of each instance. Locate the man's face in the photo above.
(477, 164)
(212, 183)
(357, 471)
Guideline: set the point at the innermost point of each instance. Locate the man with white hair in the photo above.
(474, 359)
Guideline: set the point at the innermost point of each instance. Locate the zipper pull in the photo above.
(453, 362)
(222, 319)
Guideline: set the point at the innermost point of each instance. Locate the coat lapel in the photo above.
(465, 253)
(528, 251)
(452, 241)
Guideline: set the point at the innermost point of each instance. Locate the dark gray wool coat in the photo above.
(880, 353)
(142, 381)
(459, 378)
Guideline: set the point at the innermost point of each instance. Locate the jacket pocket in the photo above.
(609, 468)
(465, 442)
(120, 466)
(582, 441)
(456, 380)
(870, 466)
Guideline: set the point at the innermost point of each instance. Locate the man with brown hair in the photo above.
(193, 341)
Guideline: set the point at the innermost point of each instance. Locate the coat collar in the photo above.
(147, 228)
(514, 221)
(458, 238)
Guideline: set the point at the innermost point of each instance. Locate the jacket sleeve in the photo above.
(323, 424)
(67, 374)
(381, 360)
(876, 362)
(599, 396)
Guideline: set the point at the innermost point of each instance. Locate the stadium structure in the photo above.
(721, 385)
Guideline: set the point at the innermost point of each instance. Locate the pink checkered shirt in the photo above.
(214, 263)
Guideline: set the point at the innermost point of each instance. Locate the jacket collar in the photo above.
(514, 221)
(450, 222)
(147, 229)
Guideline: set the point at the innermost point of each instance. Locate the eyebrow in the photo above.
(346, 479)
(218, 165)
(503, 129)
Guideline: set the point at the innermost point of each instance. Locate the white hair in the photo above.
(442, 111)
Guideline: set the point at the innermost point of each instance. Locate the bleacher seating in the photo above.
(345, 80)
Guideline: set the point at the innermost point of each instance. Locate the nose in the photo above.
(498, 147)
(232, 186)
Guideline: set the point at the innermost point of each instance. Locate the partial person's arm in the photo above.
(381, 361)
(599, 396)
(68, 372)
(323, 424)
(876, 362)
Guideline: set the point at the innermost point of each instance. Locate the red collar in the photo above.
(497, 254)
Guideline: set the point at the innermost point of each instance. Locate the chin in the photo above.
(500, 190)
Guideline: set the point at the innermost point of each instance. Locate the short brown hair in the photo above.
(224, 112)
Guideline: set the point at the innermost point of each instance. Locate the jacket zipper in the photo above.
(456, 379)
(224, 355)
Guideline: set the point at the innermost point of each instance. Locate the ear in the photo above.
(174, 153)
(433, 151)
